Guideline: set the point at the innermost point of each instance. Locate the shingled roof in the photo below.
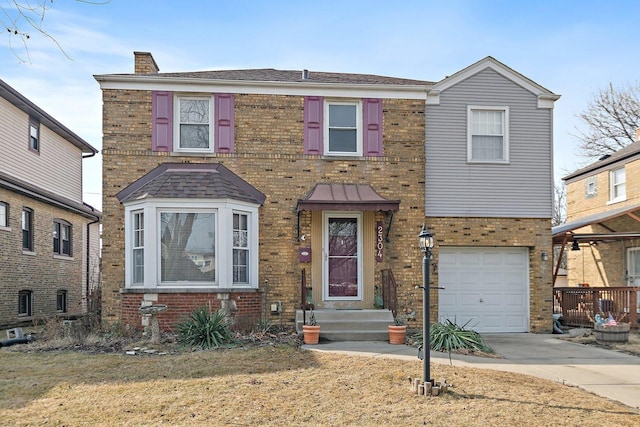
(624, 153)
(290, 76)
(193, 181)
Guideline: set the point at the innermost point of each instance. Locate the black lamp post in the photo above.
(425, 243)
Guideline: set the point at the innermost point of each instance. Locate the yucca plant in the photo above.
(204, 329)
(451, 337)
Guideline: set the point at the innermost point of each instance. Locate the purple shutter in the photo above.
(313, 112)
(372, 112)
(162, 121)
(224, 122)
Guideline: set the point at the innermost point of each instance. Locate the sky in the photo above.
(573, 48)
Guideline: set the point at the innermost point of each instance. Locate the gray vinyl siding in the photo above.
(521, 188)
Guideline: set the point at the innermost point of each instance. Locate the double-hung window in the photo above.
(61, 237)
(34, 135)
(4, 214)
(487, 134)
(343, 128)
(240, 248)
(618, 185)
(27, 229)
(138, 247)
(194, 118)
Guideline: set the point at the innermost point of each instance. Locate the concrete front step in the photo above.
(350, 325)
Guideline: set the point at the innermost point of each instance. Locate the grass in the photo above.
(276, 385)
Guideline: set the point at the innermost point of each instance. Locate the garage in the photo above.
(485, 286)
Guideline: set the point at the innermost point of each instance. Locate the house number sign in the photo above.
(379, 241)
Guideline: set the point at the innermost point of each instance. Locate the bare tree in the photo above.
(612, 117)
(19, 18)
(559, 205)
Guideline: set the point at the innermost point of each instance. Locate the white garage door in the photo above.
(487, 287)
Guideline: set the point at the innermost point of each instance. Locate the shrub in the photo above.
(204, 329)
(451, 337)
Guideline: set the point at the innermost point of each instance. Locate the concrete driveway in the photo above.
(603, 372)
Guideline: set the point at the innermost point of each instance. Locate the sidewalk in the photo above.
(603, 372)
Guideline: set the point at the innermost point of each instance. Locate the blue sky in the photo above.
(572, 48)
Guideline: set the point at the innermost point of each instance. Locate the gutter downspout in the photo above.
(88, 267)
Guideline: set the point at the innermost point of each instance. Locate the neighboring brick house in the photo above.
(603, 219)
(49, 238)
(222, 187)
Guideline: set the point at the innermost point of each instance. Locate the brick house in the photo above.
(602, 232)
(49, 238)
(233, 188)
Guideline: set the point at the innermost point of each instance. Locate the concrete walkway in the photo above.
(603, 372)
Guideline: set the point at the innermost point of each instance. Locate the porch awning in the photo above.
(560, 231)
(346, 197)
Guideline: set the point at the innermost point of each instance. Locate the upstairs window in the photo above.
(343, 132)
(591, 187)
(61, 237)
(194, 116)
(618, 185)
(4, 214)
(487, 134)
(25, 303)
(27, 229)
(34, 135)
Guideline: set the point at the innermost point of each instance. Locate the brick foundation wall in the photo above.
(248, 308)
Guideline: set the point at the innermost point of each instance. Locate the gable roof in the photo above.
(191, 180)
(21, 102)
(622, 155)
(546, 98)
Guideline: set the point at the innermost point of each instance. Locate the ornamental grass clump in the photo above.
(450, 337)
(205, 329)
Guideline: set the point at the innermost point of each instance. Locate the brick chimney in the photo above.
(145, 64)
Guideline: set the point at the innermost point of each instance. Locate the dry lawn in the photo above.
(277, 385)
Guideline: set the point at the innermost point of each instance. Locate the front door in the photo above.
(342, 269)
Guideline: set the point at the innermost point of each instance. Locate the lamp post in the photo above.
(425, 243)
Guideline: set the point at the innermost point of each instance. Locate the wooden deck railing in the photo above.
(578, 306)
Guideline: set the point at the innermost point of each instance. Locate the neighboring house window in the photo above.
(4, 214)
(240, 248)
(34, 135)
(25, 303)
(27, 229)
(194, 116)
(61, 301)
(187, 245)
(488, 138)
(138, 247)
(591, 187)
(61, 237)
(343, 128)
(196, 244)
(618, 190)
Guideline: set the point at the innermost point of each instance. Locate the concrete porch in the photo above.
(350, 324)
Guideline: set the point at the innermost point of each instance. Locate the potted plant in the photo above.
(609, 330)
(397, 331)
(311, 331)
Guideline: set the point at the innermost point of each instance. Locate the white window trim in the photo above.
(224, 210)
(505, 130)
(359, 126)
(176, 125)
(613, 184)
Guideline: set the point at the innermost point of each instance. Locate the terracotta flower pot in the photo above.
(397, 334)
(311, 334)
